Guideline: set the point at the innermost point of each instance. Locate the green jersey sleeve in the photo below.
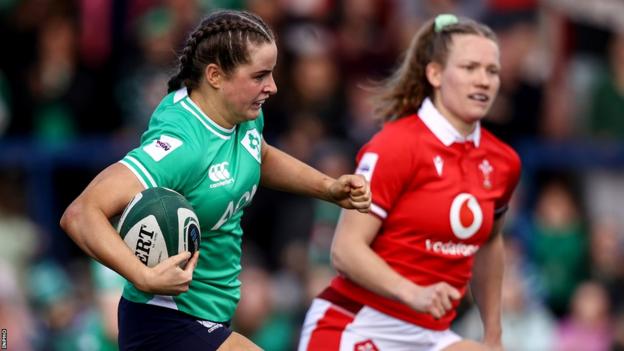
(167, 156)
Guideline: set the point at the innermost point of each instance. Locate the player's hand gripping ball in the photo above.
(159, 223)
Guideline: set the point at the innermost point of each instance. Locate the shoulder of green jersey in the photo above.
(208, 123)
(161, 147)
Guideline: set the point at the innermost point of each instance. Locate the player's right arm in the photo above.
(86, 221)
(353, 257)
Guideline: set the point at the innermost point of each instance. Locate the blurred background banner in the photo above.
(80, 78)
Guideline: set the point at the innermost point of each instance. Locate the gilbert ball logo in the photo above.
(466, 216)
(191, 234)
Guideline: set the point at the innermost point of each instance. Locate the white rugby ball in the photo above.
(159, 223)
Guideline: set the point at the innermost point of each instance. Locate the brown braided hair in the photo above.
(222, 38)
(404, 91)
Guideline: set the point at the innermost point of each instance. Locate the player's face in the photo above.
(248, 87)
(467, 86)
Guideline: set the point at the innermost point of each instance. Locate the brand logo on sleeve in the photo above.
(161, 147)
(252, 141)
(366, 167)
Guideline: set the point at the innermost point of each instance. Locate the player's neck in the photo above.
(212, 110)
(463, 127)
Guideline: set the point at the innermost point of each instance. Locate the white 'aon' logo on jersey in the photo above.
(219, 172)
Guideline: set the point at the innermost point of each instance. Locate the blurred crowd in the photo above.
(79, 70)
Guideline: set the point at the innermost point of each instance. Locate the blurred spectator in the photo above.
(607, 97)
(588, 326)
(618, 338)
(270, 11)
(360, 123)
(145, 77)
(409, 15)
(517, 111)
(604, 191)
(96, 34)
(15, 314)
(366, 39)
(315, 10)
(559, 244)
(527, 323)
(51, 292)
(314, 89)
(257, 316)
(63, 94)
(20, 237)
(607, 258)
(108, 286)
(5, 98)
(186, 14)
(332, 158)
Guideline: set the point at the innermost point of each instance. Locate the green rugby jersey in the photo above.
(218, 171)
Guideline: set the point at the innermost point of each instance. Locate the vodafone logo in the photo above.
(218, 172)
(466, 216)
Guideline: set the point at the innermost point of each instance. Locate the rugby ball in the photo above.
(159, 223)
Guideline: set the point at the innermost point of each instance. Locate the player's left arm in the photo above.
(487, 285)
(283, 172)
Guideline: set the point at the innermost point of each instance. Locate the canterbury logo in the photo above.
(218, 172)
(472, 212)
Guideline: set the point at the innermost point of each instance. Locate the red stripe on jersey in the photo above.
(328, 331)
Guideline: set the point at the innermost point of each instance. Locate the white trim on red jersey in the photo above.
(442, 128)
(378, 211)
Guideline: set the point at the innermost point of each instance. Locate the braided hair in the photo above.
(403, 93)
(221, 38)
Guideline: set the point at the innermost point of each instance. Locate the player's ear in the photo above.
(433, 71)
(213, 75)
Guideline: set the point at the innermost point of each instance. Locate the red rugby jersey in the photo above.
(437, 194)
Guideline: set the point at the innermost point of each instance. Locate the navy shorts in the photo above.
(150, 327)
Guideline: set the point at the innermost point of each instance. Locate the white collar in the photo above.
(442, 128)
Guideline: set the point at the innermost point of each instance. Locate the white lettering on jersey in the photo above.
(231, 210)
(161, 147)
(457, 226)
(450, 248)
(253, 143)
(438, 162)
(366, 167)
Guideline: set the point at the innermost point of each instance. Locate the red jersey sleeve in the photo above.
(387, 162)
